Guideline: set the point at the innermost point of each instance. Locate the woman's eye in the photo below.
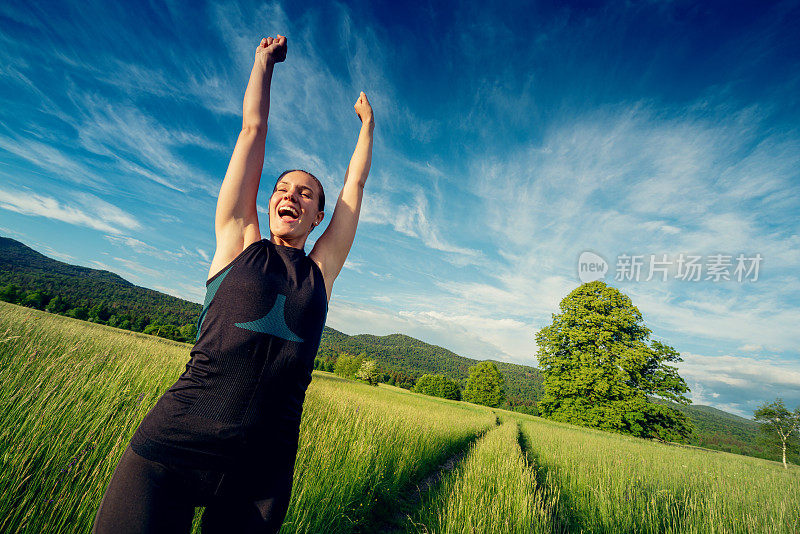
(306, 195)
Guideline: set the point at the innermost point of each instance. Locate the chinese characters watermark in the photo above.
(685, 267)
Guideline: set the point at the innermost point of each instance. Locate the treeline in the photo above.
(349, 365)
(485, 385)
(101, 312)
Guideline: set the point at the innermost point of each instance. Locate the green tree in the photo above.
(36, 299)
(100, 313)
(140, 323)
(168, 331)
(347, 365)
(188, 332)
(598, 369)
(448, 389)
(11, 293)
(485, 385)
(56, 305)
(779, 424)
(78, 313)
(438, 386)
(425, 385)
(368, 372)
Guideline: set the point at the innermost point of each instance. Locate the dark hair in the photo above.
(319, 185)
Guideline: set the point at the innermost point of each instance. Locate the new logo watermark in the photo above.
(591, 267)
(685, 267)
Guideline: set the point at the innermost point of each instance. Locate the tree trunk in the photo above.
(784, 456)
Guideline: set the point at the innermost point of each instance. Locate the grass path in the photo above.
(395, 515)
(494, 490)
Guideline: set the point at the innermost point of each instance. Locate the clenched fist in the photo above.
(271, 50)
(364, 110)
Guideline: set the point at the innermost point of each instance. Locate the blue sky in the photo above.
(509, 139)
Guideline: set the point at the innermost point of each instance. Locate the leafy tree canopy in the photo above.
(438, 386)
(485, 385)
(348, 365)
(369, 372)
(598, 368)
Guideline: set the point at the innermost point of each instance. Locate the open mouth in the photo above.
(288, 213)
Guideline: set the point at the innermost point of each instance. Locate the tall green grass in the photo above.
(494, 490)
(360, 447)
(72, 394)
(614, 483)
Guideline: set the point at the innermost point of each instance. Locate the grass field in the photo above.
(72, 393)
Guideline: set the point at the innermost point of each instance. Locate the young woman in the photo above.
(225, 435)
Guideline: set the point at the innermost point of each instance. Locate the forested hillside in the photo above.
(416, 358)
(32, 279)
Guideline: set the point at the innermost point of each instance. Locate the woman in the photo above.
(225, 435)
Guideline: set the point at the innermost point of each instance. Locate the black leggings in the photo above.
(144, 496)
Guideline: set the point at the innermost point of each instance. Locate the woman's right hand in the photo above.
(271, 50)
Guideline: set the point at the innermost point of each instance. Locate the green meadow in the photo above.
(370, 459)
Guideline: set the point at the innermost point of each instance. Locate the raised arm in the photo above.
(334, 244)
(236, 220)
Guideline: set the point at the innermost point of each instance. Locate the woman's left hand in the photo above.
(364, 111)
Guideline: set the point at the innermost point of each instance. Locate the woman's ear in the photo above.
(320, 216)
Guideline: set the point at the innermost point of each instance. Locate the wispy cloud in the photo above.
(140, 247)
(46, 156)
(413, 218)
(91, 211)
(138, 268)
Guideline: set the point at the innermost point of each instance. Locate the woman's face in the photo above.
(294, 206)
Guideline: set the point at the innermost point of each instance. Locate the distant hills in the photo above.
(83, 289)
(414, 357)
(110, 299)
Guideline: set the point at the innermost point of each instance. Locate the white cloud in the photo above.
(741, 370)
(342, 315)
(738, 384)
(413, 218)
(47, 156)
(124, 133)
(139, 246)
(139, 268)
(749, 320)
(188, 292)
(93, 212)
(353, 265)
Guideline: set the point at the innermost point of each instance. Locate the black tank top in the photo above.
(242, 392)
